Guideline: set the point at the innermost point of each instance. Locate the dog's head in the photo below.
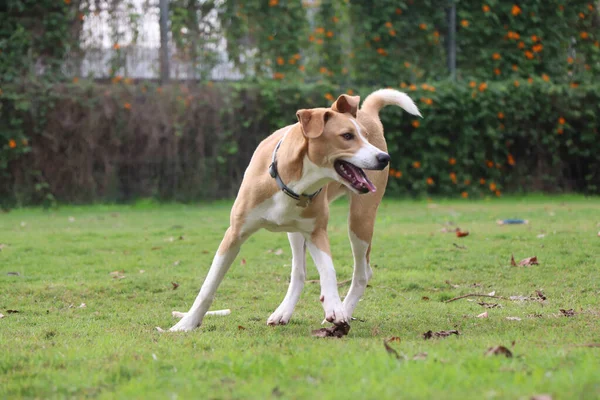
(336, 141)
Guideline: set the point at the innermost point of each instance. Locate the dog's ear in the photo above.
(313, 122)
(346, 104)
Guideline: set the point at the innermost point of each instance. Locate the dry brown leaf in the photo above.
(460, 233)
(526, 262)
(390, 350)
(394, 339)
(513, 263)
(499, 350)
(420, 356)
(241, 328)
(205, 251)
(118, 274)
(483, 315)
(175, 285)
(440, 334)
(243, 261)
(425, 298)
(12, 311)
(540, 295)
(337, 331)
(567, 313)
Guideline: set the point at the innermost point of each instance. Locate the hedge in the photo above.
(89, 142)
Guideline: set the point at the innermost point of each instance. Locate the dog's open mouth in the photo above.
(355, 176)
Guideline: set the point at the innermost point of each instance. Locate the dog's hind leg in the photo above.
(360, 230)
(282, 315)
(228, 250)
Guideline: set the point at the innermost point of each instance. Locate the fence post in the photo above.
(164, 41)
(451, 51)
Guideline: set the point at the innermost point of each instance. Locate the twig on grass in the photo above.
(473, 295)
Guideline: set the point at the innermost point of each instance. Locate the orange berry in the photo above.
(416, 164)
(516, 10)
(464, 195)
(416, 123)
(500, 115)
(12, 143)
(485, 8)
(496, 56)
(452, 161)
(430, 181)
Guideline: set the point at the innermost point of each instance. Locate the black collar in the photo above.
(303, 199)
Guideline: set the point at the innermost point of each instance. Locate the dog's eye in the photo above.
(348, 136)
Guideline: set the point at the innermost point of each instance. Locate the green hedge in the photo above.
(120, 141)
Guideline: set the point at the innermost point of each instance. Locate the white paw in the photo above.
(334, 312)
(182, 327)
(281, 316)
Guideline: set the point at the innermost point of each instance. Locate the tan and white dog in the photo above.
(293, 176)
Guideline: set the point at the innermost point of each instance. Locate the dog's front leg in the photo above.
(282, 315)
(228, 250)
(318, 246)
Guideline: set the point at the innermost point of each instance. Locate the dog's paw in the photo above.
(184, 325)
(335, 313)
(281, 316)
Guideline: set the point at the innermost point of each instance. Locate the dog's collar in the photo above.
(303, 199)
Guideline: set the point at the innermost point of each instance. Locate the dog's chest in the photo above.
(280, 214)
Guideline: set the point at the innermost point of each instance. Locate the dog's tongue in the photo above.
(361, 179)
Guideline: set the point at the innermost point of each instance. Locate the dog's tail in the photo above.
(388, 97)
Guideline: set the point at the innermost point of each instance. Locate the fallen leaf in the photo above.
(175, 285)
(567, 313)
(118, 274)
(513, 263)
(243, 261)
(499, 350)
(541, 397)
(337, 331)
(12, 311)
(420, 356)
(513, 318)
(540, 295)
(241, 328)
(528, 261)
(390, 350)
(440, 334)
(460, 233)
(394, 339)
(425, 298)
(489, 305)
(278, 252)
(483, 315)
(176, 263)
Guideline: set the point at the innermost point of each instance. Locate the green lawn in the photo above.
(52, 348)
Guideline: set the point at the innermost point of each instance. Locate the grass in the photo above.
(53, 348)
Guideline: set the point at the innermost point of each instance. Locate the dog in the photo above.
(292, 177)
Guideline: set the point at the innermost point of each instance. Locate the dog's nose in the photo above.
(383, 159)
